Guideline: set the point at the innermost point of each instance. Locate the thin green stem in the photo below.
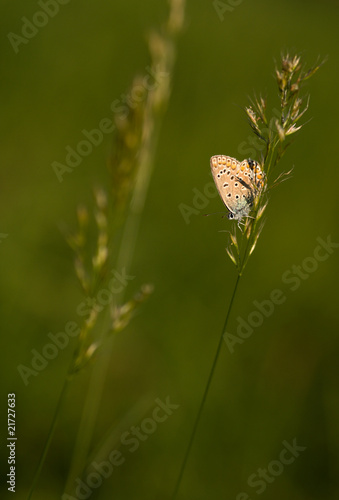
(204, 397)
(50, 436)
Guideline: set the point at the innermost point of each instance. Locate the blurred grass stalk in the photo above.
(137, 145)
(130, 169)
(274, 134)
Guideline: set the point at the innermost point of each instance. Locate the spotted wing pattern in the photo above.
(237, 183)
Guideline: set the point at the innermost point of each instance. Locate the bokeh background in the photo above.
(282, 382)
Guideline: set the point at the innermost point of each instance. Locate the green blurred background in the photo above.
(282, 382)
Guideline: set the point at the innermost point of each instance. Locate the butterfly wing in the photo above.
(234, 181)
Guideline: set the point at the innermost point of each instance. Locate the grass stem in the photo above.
(204, 397)
(50, 436)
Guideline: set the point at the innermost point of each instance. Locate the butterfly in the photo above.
(237, 183)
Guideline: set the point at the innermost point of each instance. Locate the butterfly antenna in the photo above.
(215, 213)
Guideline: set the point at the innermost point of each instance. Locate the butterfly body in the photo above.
(237, 183)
